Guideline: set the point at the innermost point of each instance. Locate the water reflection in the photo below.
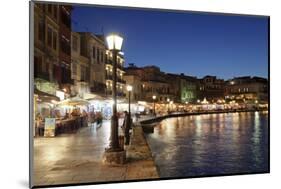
(211, 144)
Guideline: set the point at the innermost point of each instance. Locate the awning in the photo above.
(46, 97)
(90, 96)
(76, 101)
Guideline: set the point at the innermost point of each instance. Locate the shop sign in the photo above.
(50, 125)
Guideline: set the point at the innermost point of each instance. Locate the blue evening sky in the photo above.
(196, 44)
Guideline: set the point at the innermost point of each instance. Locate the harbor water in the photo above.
(211, 144)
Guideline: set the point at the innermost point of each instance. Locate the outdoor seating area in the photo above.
(70, 125)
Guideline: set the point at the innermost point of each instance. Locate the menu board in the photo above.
(50, 125)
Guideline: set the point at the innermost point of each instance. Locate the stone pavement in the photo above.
(77, 158)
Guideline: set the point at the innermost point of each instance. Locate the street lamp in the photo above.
(114, 42)
(129, 89)
(154, 98)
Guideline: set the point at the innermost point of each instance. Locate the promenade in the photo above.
(77, 158)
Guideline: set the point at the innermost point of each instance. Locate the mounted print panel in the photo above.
(124, 94)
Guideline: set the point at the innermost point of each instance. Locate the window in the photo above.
(65, 17)
(98, 53)
(101, 56)
(52, 37)
(65, 45)
(41, 31)
(74, 68)
(50, 8)
(45, 67)
(75, 43)
(55, 36)
(37, 64)
(94, 52)
(49, 37)
(83, 73)
(55, 11)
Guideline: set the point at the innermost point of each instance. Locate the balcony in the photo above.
(119, 66)
(98, 88)
(109, 62)
(108, 77)
(121, 80)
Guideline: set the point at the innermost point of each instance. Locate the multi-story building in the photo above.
(80, 67)
(184, 88)
(52, 55)
(93, 47)
(121, 89)
(99, 70)
(154, 82)
(135, 82)
(188, 89)
(247, 89)
(211, 88)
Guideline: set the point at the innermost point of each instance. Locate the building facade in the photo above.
(211, 88)
(80, 67)
(154, 82)
(247, 89)
(135, 82)
(52, 54)
(121, 89)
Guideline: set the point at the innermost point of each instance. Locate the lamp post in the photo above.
(154, 98)
(114, 43)
(129, 89)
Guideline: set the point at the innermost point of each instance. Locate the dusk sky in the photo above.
(192, 43)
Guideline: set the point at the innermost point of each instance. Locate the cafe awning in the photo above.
(45, 97)
(90, 96)
(75, 101)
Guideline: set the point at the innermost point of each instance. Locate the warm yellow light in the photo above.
(60, 94)
(129, 88)
(154, 97)
(168, 100)
(114, 42)
(54, 102)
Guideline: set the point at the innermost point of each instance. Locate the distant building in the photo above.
(153, 82)
(247, 89)
(184, 87)
(135, 82)
(211, 88)
(188, 89)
